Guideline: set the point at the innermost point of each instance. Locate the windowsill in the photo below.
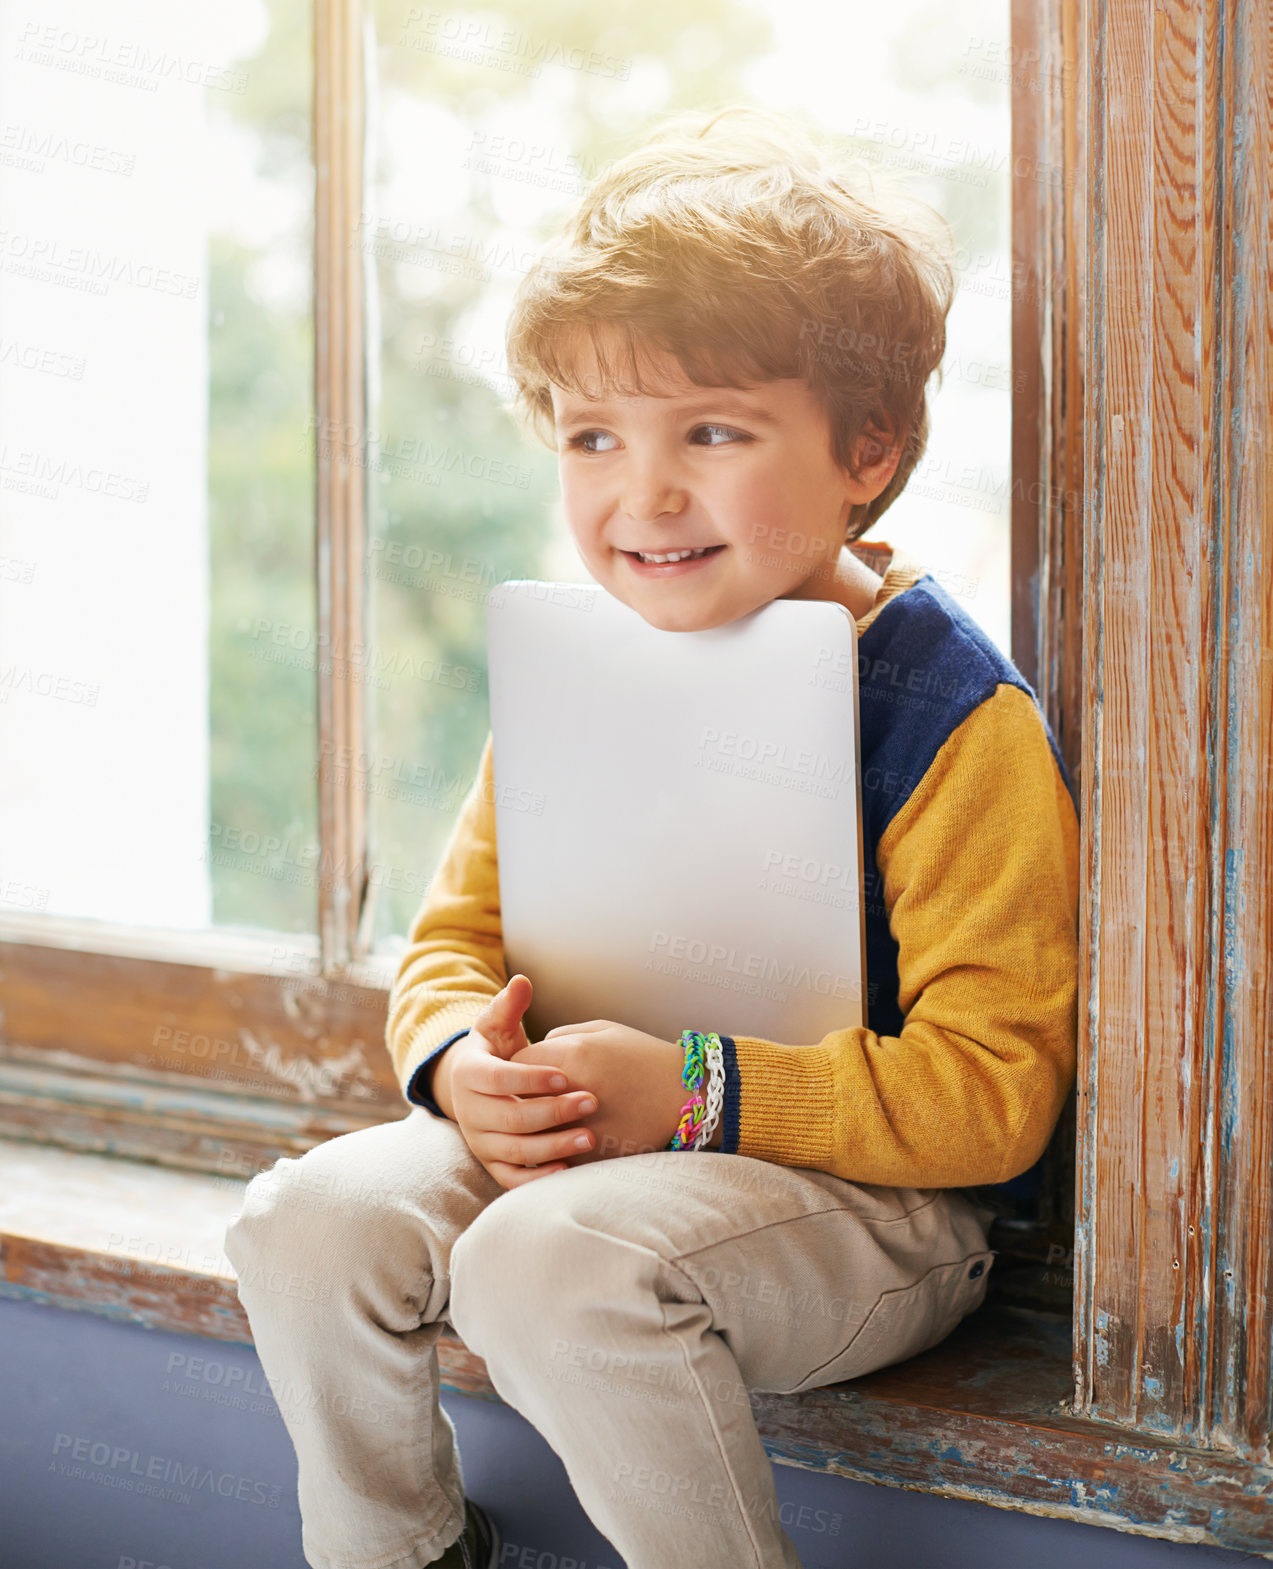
(985, 1415)
(240, 950)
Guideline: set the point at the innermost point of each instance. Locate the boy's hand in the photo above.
(635, 1077)
(480, 1085)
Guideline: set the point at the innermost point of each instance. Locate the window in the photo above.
(171, 904)
(268, 631)
(256, 374)
(157, 321)
(234, 600)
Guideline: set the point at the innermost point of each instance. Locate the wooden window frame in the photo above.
(107, 1026)
(1141, 415)
(1143, 538)
(1174, 1269)
(1046, 517)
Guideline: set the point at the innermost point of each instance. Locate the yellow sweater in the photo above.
(971, 881)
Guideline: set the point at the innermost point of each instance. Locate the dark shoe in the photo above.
(478, 1544)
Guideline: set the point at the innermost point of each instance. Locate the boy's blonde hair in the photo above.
(732, 241)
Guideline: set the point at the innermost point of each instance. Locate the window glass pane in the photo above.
(157, 713)
(489, 123)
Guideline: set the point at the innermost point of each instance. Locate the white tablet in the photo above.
(678, 814)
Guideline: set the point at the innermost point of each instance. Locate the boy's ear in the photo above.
(878, 452)
(877, 444)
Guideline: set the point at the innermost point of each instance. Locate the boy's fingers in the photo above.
(504, 1040)
(500, 1022)
(528, 1149)
(542, 1149)
(517, 1176)
(528, 1132)
(534, 1115)
(495, 1076)
(503, 998)
(493, 1016)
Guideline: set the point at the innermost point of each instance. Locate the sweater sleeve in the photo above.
(454, 961)
(980, 884)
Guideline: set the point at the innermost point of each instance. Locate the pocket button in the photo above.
(976, 1269)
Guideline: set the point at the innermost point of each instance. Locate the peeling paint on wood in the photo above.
(311, 1041)
(986, 1415)
(172, 1118)
(1174, 1302)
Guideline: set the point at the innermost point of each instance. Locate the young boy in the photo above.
(730, 351)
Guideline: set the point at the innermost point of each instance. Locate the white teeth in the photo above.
(676, 555)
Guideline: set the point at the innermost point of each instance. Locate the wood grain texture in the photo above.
(1174, 1309)
(191, 1064)
(1031, 383)
(343, 464)
(1047, 407)
(1241, 1402)
(172, 1119)
(1048, 240)
(985, 1415)
(283, 1034)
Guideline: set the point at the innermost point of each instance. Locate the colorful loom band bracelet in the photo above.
(702, 1057)
(715, 1090)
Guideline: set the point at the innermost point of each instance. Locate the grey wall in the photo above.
(121, 1397)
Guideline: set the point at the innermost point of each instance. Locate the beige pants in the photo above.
(624, 1307)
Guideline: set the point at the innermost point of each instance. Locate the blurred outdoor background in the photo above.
(158, 650)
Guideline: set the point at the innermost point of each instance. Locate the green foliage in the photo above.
(460, 498)
(264, 735)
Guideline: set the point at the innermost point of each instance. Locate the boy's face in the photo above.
(746, 473)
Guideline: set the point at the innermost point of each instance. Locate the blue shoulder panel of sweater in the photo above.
(924, 665)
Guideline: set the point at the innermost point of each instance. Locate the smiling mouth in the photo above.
(661, 558)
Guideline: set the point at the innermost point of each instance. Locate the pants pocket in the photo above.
(909, 1320)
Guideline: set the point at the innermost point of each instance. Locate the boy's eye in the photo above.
(728, 431)
(583, 438)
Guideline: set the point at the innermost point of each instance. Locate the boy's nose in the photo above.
(647, 500)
